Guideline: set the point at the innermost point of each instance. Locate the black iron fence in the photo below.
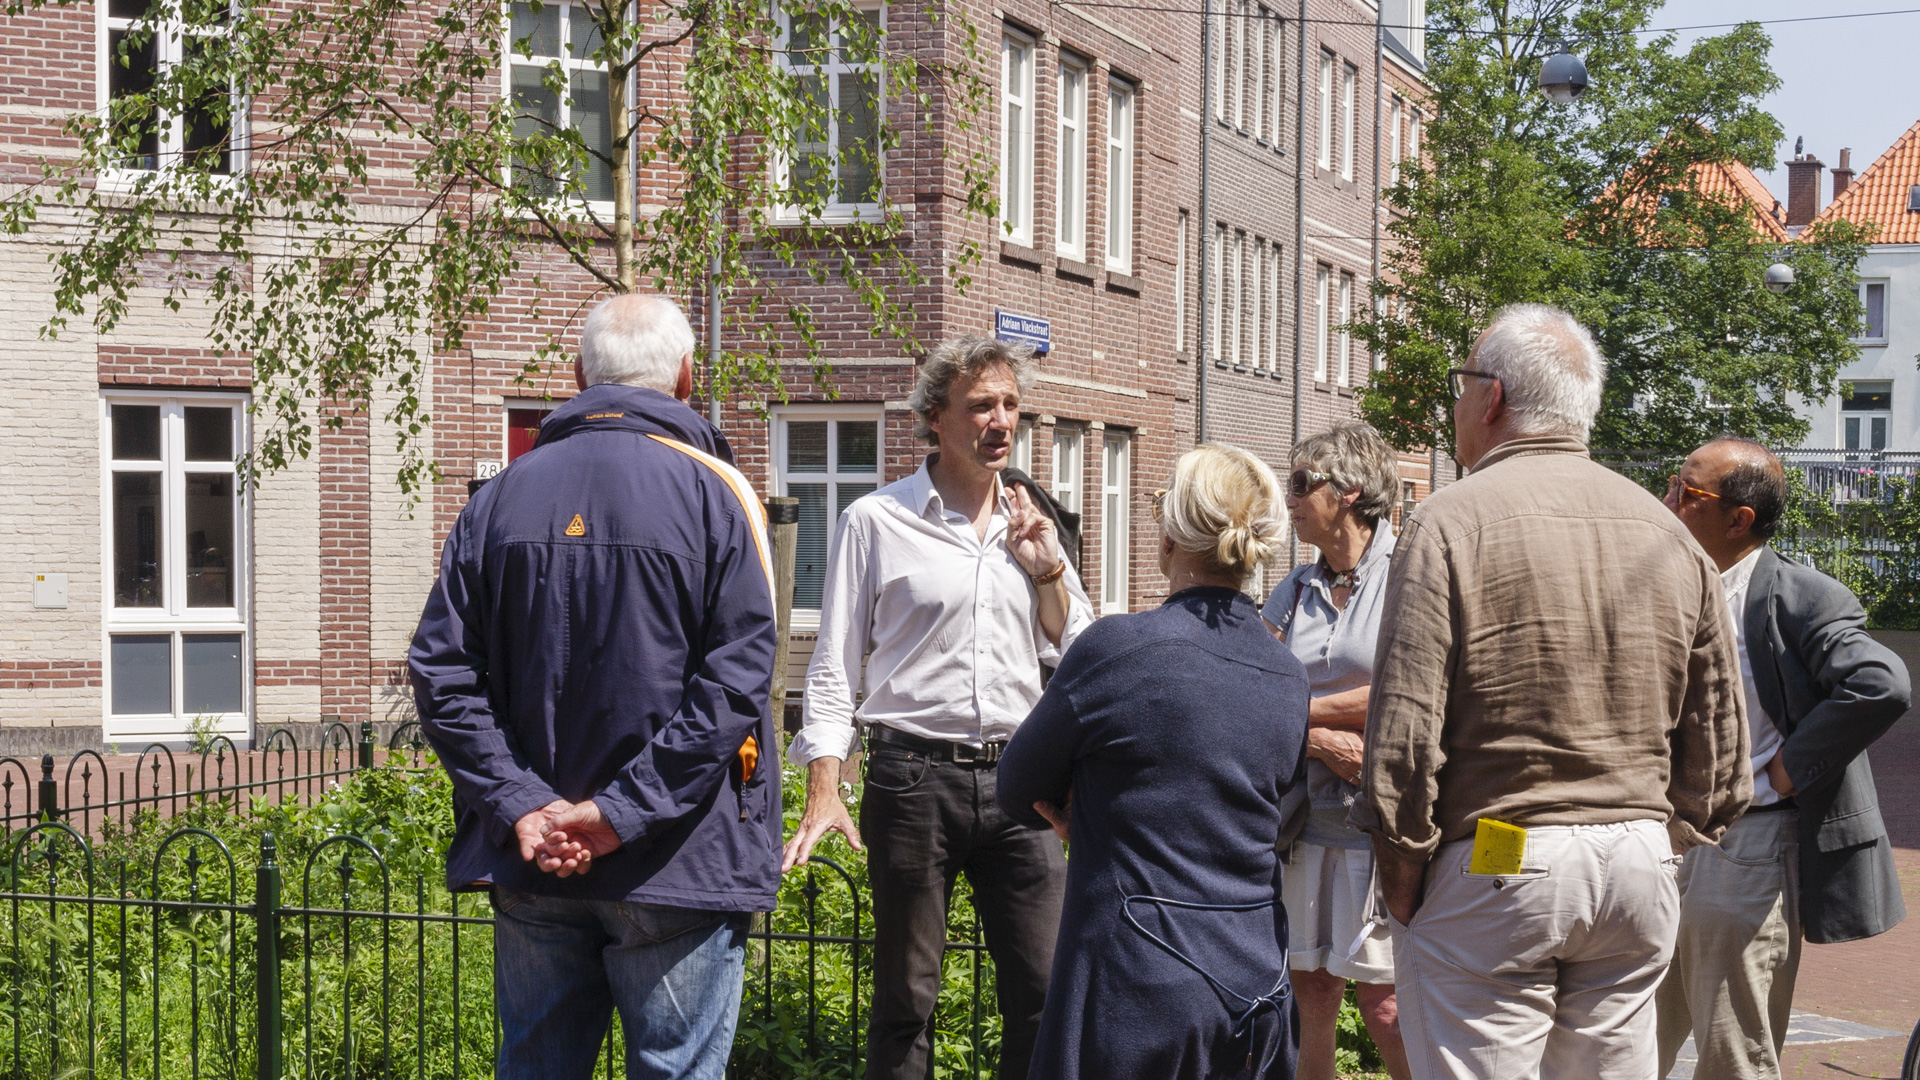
(280, 913)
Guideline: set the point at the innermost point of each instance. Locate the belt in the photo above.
(984, 755)
(1775, 807)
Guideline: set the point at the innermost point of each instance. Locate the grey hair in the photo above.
(1223, 505)
(1549, 369)
(949, 361)
(1358, 459)
(635, 340)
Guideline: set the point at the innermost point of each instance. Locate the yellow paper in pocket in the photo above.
(1497, 848)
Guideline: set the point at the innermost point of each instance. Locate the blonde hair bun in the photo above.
(1224, 506)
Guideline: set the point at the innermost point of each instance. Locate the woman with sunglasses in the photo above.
(1165, 748)
(1340, 497)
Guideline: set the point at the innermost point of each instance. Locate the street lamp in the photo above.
(1779, 278)
(1563, 77)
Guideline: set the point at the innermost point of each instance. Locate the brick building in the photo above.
(150, 590)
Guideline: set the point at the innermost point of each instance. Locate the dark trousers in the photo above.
(925, 822)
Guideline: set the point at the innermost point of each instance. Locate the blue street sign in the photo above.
(1036, 334)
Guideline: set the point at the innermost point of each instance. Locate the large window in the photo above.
(1022, 456)
(1322, 282)
(1119, 177)
(1866, 411)
(138, 53)
(1115, 482)
(1016, 137)
(1395, 110)
(1068, 466)
(1180, 276)
(1326, 111)
(1873, 320)
(1276, 287)
(175, 528)
(836, 154)
(1216, 292)
(1232, 293)
(559, 87)
(1349, 133)
(826, 458)
(1070, 204)
(1345, 342)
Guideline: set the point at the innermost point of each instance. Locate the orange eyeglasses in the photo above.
(1674, 484)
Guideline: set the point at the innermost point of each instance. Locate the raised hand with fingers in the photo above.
(1030, 536)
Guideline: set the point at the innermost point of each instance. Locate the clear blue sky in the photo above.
(1844, 82)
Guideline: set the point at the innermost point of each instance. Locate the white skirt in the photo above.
(1327, 893)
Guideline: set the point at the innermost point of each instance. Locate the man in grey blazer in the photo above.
(1810, 857)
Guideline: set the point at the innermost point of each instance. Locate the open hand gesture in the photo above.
(1030, 537)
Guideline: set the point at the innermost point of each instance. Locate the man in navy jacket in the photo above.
(592, 668)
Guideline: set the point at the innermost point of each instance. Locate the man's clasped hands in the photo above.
(564, 837)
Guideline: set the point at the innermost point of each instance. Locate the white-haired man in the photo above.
(1556, 713)
(945, 592)
(592, 668)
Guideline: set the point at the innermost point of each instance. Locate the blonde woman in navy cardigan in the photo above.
(1163, 749)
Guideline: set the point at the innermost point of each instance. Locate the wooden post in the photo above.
(783, 523)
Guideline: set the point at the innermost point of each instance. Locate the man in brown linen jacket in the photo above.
(1555, 654)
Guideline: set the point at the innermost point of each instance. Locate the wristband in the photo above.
(1050, 576)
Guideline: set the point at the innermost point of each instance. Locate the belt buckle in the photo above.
(965, 754)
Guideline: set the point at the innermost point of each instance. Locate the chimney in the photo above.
(1843, 172)
(1803, 189)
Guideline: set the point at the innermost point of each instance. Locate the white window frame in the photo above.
(1243, 51)
(1016, 134)
(1221, 77)
(1115, 520)
(174, 618)
(1262, 308)
(1264, 53)
(1278, 288)
(1069, 465)
(1277, 109)
(1215, 295)
(1395, 110)
(1863, 420)
(510, 58)
(1070, 186)
(1326, 110)
(1346, 335)
(1233, 297)
(169, 42)
(1349, 134)
(1322, 281)
(1861, 289)
(835, 210)
(808, 619)
(486, 469)
(1181, 271)
(1413, 136)
(1120, 140)
(1021, 456)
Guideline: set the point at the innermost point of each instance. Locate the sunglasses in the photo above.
(1674, 484)
(1304, 480)
(1457, 380)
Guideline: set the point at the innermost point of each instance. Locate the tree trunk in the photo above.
(622, 150)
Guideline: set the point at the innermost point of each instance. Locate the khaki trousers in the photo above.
(1550, 971)
(1731, 984)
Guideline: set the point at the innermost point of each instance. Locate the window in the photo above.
(1257, 339)
(1246, 68)
(1180, 272)
(1022, 456)
(1016, 138)
(826, 458)
(558, 87)
(1873, 323)
(1395, 109)
(1071, 204)
(1322, 280)
(175, 542)
(1222, 76)
(837, 151)
(1067, 466)
(1216, 282)
(1113, 523)
(1405, 24)
(1413, 138)
(1120, 177)
(1866, 410)
(1349, 75)
(1276, 112)
(138, 53)
(1231, 284)
(1263, 71)
(1277, 286)
(1326, 110)
(1346, 335)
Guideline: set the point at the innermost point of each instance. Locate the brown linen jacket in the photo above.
(1555, 650)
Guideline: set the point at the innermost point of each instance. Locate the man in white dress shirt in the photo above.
(944, 594)
(1809, 858)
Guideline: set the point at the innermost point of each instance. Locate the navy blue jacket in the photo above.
(603, 627)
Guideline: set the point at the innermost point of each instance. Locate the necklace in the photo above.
(1337, 578)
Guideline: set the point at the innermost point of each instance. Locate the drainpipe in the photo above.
(1379, 80)
(1299, 250)
(1202, 357)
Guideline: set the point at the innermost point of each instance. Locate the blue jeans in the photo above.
(562, 966)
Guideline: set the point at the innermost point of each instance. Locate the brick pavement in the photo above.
(1874, 981)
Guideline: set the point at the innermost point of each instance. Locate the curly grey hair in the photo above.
(1358, 459)
(965, 356)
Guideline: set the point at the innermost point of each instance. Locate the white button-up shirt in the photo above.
(940, 628)
(1762, 735)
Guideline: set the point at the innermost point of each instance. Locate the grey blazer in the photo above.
(1832, 690)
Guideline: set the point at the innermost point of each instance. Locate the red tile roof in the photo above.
(1879, 196)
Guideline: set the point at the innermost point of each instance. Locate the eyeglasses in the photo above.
(1674, 484)
(1305, 480)
(1159, 498)
(1457, 380)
